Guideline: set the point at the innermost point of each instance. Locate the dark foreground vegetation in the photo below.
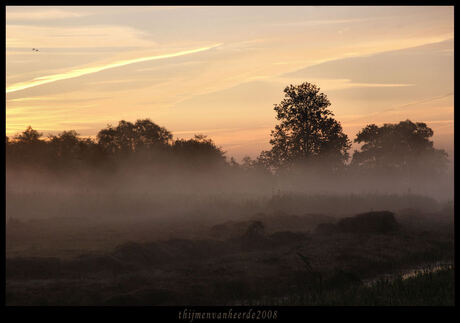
(425, 289)
(250, 262)
(135, 217)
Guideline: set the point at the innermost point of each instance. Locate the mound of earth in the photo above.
(272, 223)
(370, 222)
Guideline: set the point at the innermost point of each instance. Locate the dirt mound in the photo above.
(370, 222)
(229, 229)
(272, 223)
(291, 222)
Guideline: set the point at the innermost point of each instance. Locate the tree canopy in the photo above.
(142, 143)
(199, 151)
(405, 146)
(28, 136)
(307, 132)
(128, 137)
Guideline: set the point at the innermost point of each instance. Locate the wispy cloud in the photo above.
(43, 14)
(339, 84)
(113, 82)
(196, 131)
(324, 22)
(90, 70)
(75, 37)
(56, 99)
(30, 99)
(428, 113)
(435, 98)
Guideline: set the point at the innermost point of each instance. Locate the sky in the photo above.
(219, 71)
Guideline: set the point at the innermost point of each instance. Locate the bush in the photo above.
(370, 222)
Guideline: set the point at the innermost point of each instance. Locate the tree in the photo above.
(128, 137)
(254, 235)
(26, 147)
(198, 151)
(307, 132)
(261, 165)
(29, 136)
(65, 145)
(67, 149)
(404, 147)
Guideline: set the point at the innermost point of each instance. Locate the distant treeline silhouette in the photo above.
(307, 137)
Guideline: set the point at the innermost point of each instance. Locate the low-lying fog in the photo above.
(224, 193)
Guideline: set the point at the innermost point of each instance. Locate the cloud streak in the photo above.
(90, 70)
(43, 14)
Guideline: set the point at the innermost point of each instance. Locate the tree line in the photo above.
(306, 136)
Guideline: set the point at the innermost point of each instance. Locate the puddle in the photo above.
(410, 273)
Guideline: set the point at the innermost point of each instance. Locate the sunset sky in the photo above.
(219, 70)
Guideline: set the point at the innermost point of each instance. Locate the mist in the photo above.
(164, 190)
(140, 212)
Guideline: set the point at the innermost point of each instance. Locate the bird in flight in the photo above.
(35, 50)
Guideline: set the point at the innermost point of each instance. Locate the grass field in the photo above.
(424, 289)
(272, 258)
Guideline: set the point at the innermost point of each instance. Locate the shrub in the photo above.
(370, 222)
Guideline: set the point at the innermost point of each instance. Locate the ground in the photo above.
(287, 261)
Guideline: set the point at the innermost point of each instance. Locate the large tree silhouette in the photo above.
(128, 137)
(307, 132)
(68, 149)
(404, 147)
(28, 136)
(65, 145)
(199, 151)
(26, 148)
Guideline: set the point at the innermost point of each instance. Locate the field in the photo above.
(268, 257)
